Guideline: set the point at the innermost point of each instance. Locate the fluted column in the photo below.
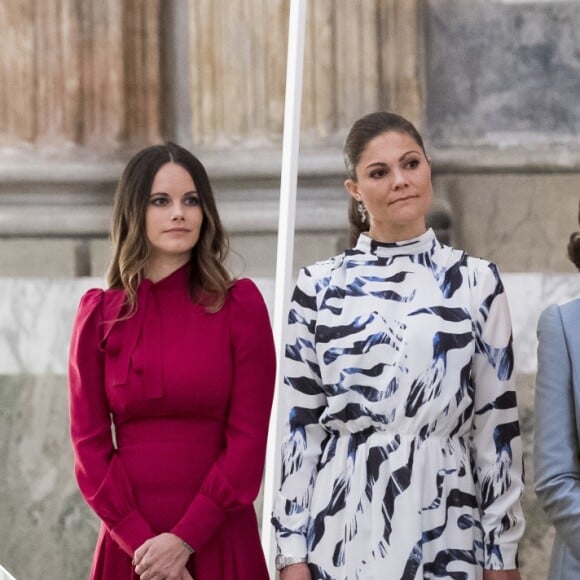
(236, 70)
(361, 55)
(17, 42)
(401, 62)
(79, 73)
(89, 74)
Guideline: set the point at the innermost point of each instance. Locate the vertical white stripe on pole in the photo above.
(286, 225)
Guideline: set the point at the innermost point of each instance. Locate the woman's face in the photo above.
(394, 184)
(174, 216)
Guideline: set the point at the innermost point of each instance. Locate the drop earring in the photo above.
(361, 211)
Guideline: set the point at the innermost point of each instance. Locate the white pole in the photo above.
(286, 225)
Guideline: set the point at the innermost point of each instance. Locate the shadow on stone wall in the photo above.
(48, 532)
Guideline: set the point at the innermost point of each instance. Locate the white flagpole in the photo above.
(286, 226)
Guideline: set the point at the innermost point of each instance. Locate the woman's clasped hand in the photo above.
(162, 558)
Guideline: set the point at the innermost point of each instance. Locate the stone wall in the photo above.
(503, 73)
(492, 86)
(97, 82)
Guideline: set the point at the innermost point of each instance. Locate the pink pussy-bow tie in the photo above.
(123, 336)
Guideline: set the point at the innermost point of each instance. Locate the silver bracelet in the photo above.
(283, 561)
(188, 547)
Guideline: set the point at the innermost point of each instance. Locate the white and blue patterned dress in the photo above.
(401, 454)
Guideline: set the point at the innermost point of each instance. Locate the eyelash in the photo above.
(379, 173)
(192, 200)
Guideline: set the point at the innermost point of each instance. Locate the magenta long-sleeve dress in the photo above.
(189, 394)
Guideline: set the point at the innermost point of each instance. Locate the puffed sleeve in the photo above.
(495, 437)
(99, 472)
(303, 401)
(234, 480)
(557, 460)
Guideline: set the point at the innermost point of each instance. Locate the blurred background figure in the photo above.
(557, 435)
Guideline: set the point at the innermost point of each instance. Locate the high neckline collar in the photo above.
(426, 242)
(175, 277)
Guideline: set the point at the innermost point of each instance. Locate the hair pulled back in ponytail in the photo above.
(361, 133)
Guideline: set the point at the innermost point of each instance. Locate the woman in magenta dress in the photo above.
(171, 381)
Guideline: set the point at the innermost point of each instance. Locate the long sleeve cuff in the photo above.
(131, 532)
(200, 522)
(291, 522)
(501, 557)
(292, 550)
(283, 561)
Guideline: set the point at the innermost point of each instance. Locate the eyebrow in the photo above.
(382, 164)
(193, 191)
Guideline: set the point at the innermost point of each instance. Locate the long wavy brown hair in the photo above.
(361, 133)
(209, 279)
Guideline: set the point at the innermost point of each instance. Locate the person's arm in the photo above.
(296, 572)
(556, 446)
(100, 475)
(234, 480)
(303, 402)
(495, 439)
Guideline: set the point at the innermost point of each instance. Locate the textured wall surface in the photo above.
(47, 531)
(503, 72)
(520, 221)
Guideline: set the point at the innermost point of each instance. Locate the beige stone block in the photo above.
(254, 255)
(100, 255)
(520, 221)
(311, 247)
(37, 257)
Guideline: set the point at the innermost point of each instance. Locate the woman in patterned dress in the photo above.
(171, 383)
(401, 456)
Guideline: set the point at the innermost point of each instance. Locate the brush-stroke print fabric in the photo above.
(401, 456)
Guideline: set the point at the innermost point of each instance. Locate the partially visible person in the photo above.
(402, 454)
(557, 427)
(171, 381)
